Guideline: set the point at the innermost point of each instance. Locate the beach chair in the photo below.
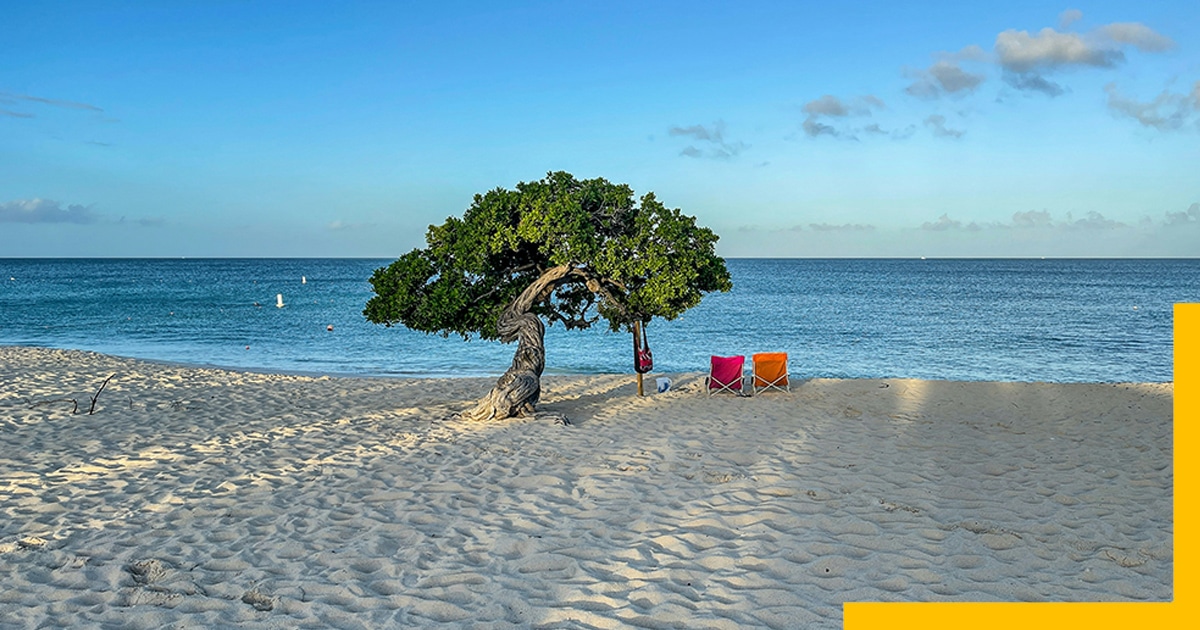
(769, 372)
(725, 375)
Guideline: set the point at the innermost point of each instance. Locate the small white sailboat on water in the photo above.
(278, 300)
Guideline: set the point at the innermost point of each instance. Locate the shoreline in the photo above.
(548, 374)
(208, 496)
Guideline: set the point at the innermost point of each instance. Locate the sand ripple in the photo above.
(212, 498)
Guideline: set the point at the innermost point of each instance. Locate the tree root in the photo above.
(555, 417)
(39, 403)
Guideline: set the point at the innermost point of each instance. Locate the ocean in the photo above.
(1057, 320)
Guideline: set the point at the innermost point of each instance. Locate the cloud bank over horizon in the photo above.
(45, 211)
(1028, 234)
(1032, 233)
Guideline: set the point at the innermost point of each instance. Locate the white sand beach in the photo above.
(195, 498)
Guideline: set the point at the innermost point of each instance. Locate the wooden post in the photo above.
(637, 344)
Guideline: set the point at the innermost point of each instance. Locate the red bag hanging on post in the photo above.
(643, 361)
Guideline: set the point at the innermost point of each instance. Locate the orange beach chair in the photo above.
(770, 372)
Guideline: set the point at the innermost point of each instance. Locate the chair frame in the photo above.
(783, 383)
(740, 383)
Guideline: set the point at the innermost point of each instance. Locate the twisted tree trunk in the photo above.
(518, 390)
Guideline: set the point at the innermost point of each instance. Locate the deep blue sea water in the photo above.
(1063, 320)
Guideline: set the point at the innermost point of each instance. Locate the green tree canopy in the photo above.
(618, 258)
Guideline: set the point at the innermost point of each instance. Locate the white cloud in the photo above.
(952, 78)
(844, 227)
(830, 106)
(1027, 233)
(1092, 221)
(937, 124)
(946, 75)
(1167, 112)
(718, 148)
(1032, 219)
(699, 132)
(967, 53)
(10, 97)
(1041, 220)
(873, 102)
(827, 105)
(1137, 35)
(1069, 17)
(814, 128)
(44, 211)
(943, 77)
(339, 225)
(945, 223)
(1026, 57)
(1021, 52)
(1033, 82)
(1189, 216)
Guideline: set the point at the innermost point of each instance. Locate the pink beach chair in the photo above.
(725, 375)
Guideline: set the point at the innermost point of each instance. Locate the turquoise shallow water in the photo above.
(1066, 320)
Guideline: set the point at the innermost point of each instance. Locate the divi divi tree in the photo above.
(567, 250)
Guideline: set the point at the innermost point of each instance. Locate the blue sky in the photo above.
(790, 128)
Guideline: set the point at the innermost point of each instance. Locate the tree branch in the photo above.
(102, 386)
(574, 321)
(508, 272)
(596, 284)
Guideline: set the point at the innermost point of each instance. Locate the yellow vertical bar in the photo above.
(1187, 445)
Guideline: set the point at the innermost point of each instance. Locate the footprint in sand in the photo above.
(159, 581)
(148, 571)
(258, 600)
